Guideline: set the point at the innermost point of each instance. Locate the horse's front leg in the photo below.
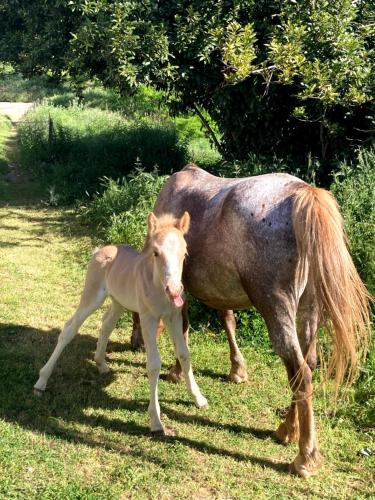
(238, 371)
(174, 326)
(149, 326)
(175, 374)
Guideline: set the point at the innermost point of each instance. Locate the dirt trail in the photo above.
(15, 110)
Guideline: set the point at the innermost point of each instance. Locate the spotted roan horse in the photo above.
(276, 243)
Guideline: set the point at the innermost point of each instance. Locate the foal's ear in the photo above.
(184, 223)
(152, 223)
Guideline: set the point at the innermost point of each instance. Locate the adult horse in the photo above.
(276, 243)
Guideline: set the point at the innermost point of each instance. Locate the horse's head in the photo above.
(168, 247)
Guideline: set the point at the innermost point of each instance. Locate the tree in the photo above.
(279, 77)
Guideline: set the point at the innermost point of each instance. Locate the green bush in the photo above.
(354, 187)
(72, 148)
(119, 213)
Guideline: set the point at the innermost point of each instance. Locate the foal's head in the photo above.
(166, 243)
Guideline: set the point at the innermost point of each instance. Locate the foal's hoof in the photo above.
(163, 433)
(201, 403)
(238, 376)
(175, 376)
(38, 392)
(306, 466)
(103, 369)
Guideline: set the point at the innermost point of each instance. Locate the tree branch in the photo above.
(208, 127)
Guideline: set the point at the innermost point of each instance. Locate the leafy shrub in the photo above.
(119, 213)
(354, 187)
(202, 153)
(72, 148)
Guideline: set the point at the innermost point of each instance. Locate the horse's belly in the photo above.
(218, 289)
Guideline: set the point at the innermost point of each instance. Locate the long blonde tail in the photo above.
(343, 298)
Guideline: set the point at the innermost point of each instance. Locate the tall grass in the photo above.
(72, 148)
(120, 211)
(354, 187)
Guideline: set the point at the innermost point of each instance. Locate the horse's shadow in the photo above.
(76, 386)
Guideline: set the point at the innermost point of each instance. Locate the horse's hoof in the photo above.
(104, 369)
(238, 377)
(38, 392)
(285, 435)
(175, 376)
(306, 466)
(202, 403)
(163, 433)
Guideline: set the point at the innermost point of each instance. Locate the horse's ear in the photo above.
(152, 223)
(184, 223)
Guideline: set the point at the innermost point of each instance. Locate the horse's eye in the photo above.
(155, 253)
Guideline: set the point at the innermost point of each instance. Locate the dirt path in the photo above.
(15, 110)
(15, 185)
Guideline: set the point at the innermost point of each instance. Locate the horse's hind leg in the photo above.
(307, 324)
(238, 372)
(92, 298)
(110, 318)
(285, 341)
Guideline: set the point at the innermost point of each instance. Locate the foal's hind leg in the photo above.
(285, 341)
(110, 318)
(92, 298)
(238, 372)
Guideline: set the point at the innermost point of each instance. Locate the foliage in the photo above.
(71, 148)
(119, 213)
(5, 126)
(284, 78)
(354, 187)
(14, 88)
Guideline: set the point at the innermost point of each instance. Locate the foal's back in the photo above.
(241, 244)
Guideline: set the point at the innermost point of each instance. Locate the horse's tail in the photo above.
(342, 297)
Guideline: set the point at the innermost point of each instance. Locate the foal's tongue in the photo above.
(178, 301)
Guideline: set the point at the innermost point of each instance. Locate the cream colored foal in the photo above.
(148, 283)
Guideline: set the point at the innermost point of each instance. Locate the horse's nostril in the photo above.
(167, 289)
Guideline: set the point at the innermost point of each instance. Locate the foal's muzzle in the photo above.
(175, 295)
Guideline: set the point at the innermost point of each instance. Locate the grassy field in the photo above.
(88, 438)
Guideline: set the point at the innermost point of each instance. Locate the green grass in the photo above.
(88, 437)
(5, 127)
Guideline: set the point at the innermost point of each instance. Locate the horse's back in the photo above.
(241, 242)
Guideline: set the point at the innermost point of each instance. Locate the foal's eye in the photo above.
(155, 253)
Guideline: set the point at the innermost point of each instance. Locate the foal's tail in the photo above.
(343, 298)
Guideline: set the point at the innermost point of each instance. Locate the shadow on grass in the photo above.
(38, 229)
(75, 387)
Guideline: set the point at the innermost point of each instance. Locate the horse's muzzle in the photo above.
(174, 295)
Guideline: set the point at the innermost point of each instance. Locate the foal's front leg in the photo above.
(174, 326)
(149, 326)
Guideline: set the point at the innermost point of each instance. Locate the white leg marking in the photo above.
(149, 326)
(174, 326)
(69, 331)
(110, 318)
